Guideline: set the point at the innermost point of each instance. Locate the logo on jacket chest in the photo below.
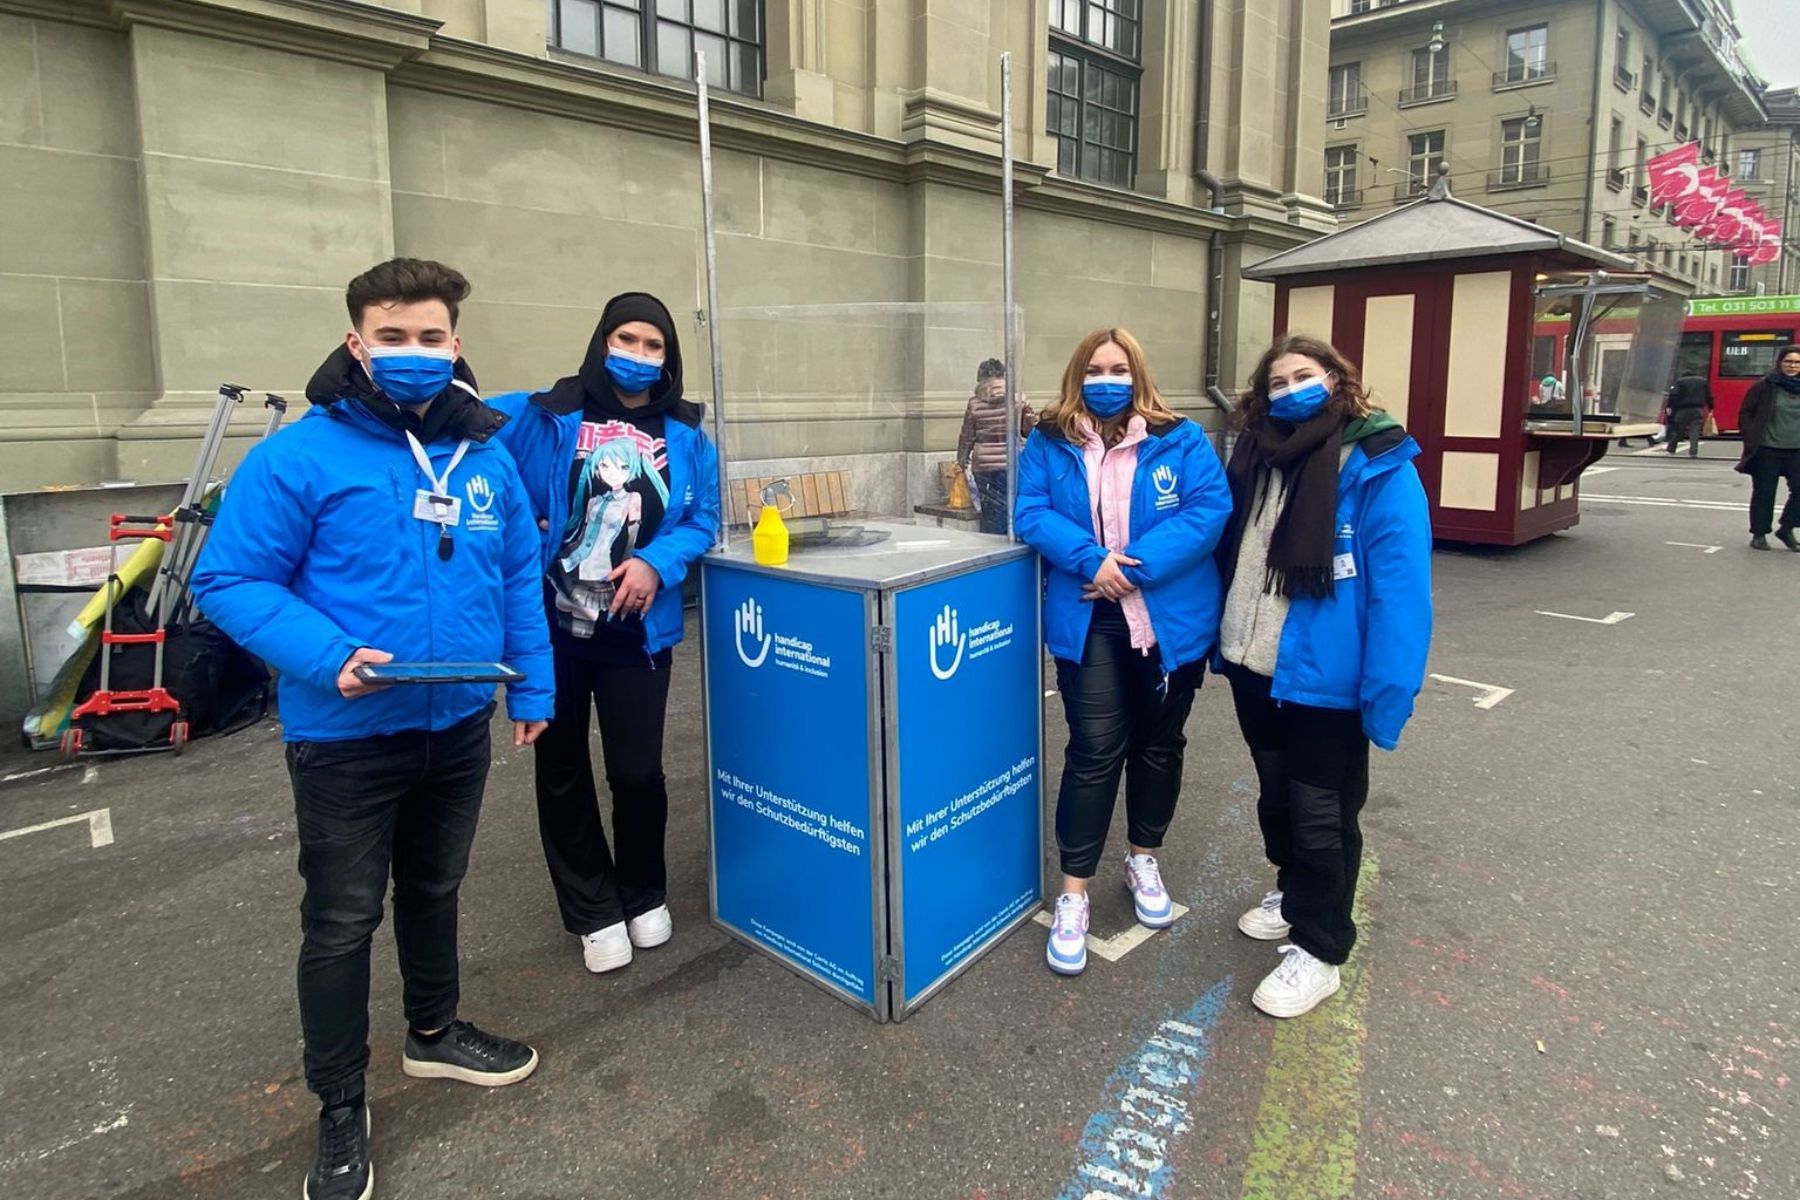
(481, 514)
(1168, 487)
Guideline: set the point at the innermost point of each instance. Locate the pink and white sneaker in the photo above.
(1148, 895)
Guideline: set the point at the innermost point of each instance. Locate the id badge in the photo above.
(1343, 566)
(436, 508)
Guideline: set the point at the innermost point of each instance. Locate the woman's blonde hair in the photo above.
(1146, 401)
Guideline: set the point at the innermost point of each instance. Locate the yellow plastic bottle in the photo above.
(769, 542)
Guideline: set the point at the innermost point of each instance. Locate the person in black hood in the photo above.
(625, 486)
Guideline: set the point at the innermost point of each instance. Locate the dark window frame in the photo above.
(1096, 135)
(653, 18)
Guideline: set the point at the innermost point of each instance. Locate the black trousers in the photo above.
(991, 487)
(598, 885)
(1122, 720)
(1684, 425)
(406, 802)
(1312, 767)
(1768, 467)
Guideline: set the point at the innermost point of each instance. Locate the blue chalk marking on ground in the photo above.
(1127, 1146)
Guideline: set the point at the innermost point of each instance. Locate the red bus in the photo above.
(1732, 341)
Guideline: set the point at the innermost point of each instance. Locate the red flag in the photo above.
(1727, 224)
(1698, 206)
(1770, 248)
(1674, 173)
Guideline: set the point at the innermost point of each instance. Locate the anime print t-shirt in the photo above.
(618, 491)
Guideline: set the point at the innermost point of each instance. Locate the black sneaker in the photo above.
(1786, 537)
(341, 1168)
(466, 1053)
(1759, 542)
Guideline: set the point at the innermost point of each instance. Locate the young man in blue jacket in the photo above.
(385, 526)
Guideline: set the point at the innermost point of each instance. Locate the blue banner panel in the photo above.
(788, 718)
(966, 657)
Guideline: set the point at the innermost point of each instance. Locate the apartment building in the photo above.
(190, 183)
(1549, 109)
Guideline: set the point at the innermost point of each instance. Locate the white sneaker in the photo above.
(652, 928)
(1264, 922)
(1066, 951)
(606, 949)
(1297, 985)
(1148, 895)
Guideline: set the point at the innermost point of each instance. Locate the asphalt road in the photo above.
(1578, 977)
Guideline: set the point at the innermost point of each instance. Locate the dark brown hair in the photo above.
(1349, 397)
(406, 281)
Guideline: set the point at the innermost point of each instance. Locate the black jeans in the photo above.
(406, 802)
(1768, 467)
(990, 486)
(1122, 719)
(1684, 425)
(593, 888)
(1312, 767)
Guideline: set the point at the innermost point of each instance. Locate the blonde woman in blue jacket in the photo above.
(1327, 620)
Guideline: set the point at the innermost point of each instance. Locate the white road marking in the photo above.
(1608, 619)
(1696, 546)
(1117, 946)
(90, 774)
(1592, 471)
(18, 775)
(99, 823)
(105, 1070)
(1491, 696)
(1666, 502)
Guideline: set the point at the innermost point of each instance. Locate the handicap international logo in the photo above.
(951, 644)
(1166, 482)
(481, 503)
(755, 639)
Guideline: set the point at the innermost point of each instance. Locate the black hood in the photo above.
(591, 385)
(457, 412)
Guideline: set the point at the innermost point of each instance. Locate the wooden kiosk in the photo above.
(1440, 303)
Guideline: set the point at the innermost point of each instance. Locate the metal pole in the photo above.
(1009, 326)
(712, 300)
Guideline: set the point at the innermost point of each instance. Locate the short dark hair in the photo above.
(990, 368)
(406, 281)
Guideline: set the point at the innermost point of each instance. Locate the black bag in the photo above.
(220, 687)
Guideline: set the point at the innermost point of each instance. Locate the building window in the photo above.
(1622, 60)
(1663, 113)
(1093, 102)
(1609, 233)
(660, 36)
(1527, 56)
(1521, 150)
(1646, 98)
(1346, 97)
(1640, 181)
(1749, 165)
(1341, 190)
(1424, 155)
(1615, 151)
(1740, 273)
(1430, 76)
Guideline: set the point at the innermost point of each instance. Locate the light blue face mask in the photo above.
(631, 374)
(1106, 396)
(411, 374)
(1300, 402)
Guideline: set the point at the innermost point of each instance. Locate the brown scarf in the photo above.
(1300, 548)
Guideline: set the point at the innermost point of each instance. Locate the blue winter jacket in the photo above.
(542, 443)
(316, 553)
(1177, 516)
(1363, 648)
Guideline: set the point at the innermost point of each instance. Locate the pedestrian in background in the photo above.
(387, 525)
(1125, 501)
(625, 484)
(1327, 619)
(1770, 423)
(981, 444)
(1689, 403)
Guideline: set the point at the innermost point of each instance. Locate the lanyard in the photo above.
(440, 486)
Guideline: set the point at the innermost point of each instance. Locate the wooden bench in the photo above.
(816, 494)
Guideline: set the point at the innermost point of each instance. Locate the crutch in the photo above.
(183, 519)
(183, 603)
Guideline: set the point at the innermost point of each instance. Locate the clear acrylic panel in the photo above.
(1612, 352)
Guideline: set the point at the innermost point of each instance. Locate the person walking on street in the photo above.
(387, 525)
(1124, 499)
(625, 486)
(1326, 624)
(981, 444)
(1770, 424)
(1689, 403)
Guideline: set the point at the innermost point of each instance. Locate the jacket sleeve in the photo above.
(965, 438)
(1064, 544)
(1172, 547)
(677, 547)
(1397, 631)
(244, 578)
(526, 644)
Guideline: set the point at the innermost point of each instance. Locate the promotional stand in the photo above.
(874, 704)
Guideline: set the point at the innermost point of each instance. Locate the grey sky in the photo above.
(1767, 26)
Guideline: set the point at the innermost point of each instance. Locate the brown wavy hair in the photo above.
(1065, 416)
(1349, 399)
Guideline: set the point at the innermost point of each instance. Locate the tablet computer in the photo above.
(415, 672)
